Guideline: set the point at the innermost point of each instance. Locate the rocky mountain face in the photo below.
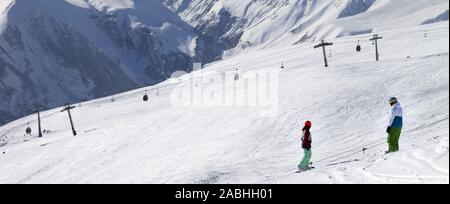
(248, 23)
(54, 52)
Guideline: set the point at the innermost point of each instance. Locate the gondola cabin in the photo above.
(145, 98)
(28, 131)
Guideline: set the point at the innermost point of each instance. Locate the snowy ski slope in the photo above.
(129, 141)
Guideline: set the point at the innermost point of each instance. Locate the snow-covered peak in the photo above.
(4, 7)
(148, 12)
(269, 23)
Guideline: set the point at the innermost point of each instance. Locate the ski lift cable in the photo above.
(396, 34)
(132, 93)
(351, 39)
(390, 37)
(412, 36)
(338, 41)
(417, 35)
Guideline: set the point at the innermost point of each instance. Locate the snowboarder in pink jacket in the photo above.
(306, 145)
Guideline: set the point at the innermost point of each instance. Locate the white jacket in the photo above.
(396, 116)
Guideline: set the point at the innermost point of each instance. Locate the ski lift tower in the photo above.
(322, 45)
(68, 108)
(38, 111)
(375, 39)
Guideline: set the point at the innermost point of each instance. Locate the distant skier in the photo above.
(306, 145)
(395, 125)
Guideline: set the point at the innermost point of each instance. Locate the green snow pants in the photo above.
(393, 139)
(304, 165)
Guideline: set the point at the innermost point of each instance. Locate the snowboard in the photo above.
(301, 171)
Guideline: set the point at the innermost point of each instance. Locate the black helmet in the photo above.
(393, 100)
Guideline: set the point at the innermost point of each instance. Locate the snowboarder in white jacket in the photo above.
(395, 125)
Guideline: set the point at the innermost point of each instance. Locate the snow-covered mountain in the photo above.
(132, 141)
(246, 24)
(58, 51)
